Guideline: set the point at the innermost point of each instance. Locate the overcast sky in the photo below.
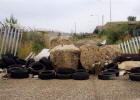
(62, 15)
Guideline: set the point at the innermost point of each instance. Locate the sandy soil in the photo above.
(93, 89)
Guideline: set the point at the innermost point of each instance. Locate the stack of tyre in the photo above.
(135, 74)
(109, 72)
(69, 73)
(43, 68)
(64, 74)
(15, 66)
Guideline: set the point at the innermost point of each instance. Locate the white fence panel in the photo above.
(11, 37)
(131, 46)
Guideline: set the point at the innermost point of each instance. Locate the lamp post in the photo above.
(75, 27)
(110, 12)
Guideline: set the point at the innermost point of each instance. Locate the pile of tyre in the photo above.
(135, 74)
(20, 68)
(69, 73)
(15, 66)
(111, 71)
(64, 73)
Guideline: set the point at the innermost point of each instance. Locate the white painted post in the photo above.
(21, 34)
(0, 32)
(135, 45)
(12, 51)
(138, 39)
(125, 47)
(129, 47)
(17, 42)
(31, 53)
(132, 48)
(11, 36)
(7, 38)
(137, 42)
(4, 37)
(122, 47)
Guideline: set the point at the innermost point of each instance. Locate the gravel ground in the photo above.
(93, 89)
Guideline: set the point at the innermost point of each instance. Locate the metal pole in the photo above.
(17, 42)
(75, 27)
(4, 37)
(0, 32)
(102, 21)
(20, 41)
(31, 53)
(110, 13)
(7, 38)
(12, 51)
(11, 36)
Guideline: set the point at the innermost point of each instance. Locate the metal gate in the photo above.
(10, 39)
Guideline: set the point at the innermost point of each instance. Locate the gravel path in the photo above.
(93, 89)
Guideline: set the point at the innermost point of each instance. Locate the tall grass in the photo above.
(33, 42)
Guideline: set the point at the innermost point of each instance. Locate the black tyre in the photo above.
(63, 76)
(36, 67)
(30, 61)
(49, 74)
(80, 65)
(2, 64)
(121, 59)
(81, 70)
(100, 76)
(80, 76)
(65, 71)
(21, 61)
(116, 71)
(135, 70)
(111, 66)
(8, 60)
(135, 76)
(17, 72)
(135, 58)
(47, 63)
(15, 57)
(13, 66)
(107, 76)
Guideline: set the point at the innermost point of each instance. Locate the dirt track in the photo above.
(93, 89)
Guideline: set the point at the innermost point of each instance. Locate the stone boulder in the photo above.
(94, 57)
(66, 56)
(60, 40)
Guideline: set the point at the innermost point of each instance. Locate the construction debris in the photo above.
(44, 53)
(60, 40)
(66, 56)
(127, 65)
